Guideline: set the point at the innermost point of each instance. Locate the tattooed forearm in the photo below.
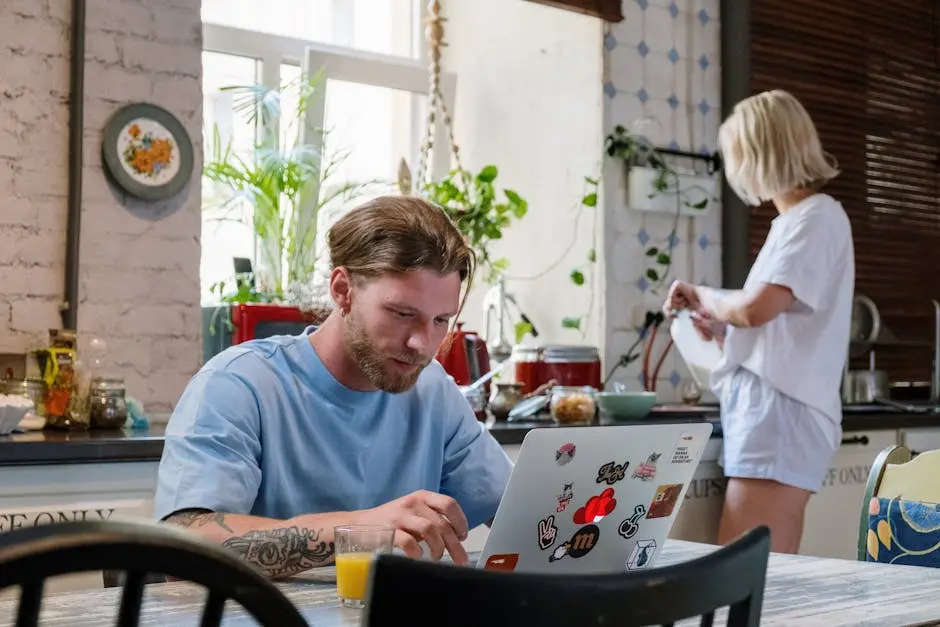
(195, 518)
(283, 551)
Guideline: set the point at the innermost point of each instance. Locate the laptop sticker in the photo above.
(686, 449)
(565, 454)
(567, 493)
(642, 554)
(664, 501)
(647, 470)
(580, 544)
(547, 532)
(630, 526)
(612, 472)
(596, 508)
(505, 561)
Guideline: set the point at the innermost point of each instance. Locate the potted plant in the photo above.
(480, 213)
(286, 184)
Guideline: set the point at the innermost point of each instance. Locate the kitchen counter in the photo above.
(60, 447)
(855, 418)
(124, 445)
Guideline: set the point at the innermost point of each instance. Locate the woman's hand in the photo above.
(708, 328)
(681, 296)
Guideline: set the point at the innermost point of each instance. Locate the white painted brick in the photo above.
(20, 245)
(116, 83)
(155, 287)
(29, 8)
(59, 10)
(103, 49)
(115, 17)
(177, 26)
(158, 57)
(16, 211)
(32, 281)
(34, 314)
(172, 92)
(139, 275)
(32, 35)
(29, 181)
(7, 169)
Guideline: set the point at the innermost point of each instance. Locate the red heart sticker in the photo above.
(596, 508)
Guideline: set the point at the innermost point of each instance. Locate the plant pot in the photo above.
(642, 194)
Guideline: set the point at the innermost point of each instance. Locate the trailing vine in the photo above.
(633, 151)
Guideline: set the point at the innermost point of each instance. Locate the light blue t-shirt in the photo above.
(265, 429)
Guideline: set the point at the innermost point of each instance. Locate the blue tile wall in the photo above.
(663, 77)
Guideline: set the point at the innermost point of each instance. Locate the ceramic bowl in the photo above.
(626, 405)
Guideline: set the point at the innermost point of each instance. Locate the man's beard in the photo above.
(374, 364)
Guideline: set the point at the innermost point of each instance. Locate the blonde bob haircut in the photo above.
(769, 145)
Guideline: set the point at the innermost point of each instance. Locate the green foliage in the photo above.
(478, 210)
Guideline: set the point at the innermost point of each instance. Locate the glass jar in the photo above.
(107, 406)
(526, 362)
(572, 365)
(571, 405)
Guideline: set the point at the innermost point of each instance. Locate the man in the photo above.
(277, 441)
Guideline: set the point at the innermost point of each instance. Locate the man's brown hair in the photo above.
(397, 235)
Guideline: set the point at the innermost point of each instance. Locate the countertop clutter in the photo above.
(121, 445)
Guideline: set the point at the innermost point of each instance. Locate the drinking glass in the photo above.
(356, 548)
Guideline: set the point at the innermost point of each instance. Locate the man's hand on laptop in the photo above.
(425, 516)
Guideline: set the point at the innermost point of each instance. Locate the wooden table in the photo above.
(800, 591)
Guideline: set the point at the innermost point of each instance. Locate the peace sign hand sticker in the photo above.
(547, 532)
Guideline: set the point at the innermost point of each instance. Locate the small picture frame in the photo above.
(147, 151)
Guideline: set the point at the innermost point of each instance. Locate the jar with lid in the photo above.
(572, 365)
(526, 363)
(572, 405)
(107, 406)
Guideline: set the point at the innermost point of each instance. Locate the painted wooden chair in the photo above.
(731, 577)
(900, 513)
(31, 555)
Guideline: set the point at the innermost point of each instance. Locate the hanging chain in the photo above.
(434, 31)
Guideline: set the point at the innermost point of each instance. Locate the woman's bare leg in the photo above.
(751, 503)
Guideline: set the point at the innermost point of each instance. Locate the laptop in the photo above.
(598, 499)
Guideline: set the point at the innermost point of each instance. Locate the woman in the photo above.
(785, 335)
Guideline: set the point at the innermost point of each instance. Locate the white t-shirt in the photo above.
(802, 351)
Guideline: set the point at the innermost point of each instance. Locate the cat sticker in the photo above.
(642, 555)
(647, 470)
(565, 454)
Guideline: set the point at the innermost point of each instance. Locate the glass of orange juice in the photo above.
(356, 547)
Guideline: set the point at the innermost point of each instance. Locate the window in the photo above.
(373, 108)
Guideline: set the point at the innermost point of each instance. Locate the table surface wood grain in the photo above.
(799, 591)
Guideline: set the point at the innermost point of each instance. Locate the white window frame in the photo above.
(339, 63)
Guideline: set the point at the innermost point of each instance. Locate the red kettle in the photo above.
(464, 356)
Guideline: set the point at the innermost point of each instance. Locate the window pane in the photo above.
(226, 230)
(384, 26)
(369, 130)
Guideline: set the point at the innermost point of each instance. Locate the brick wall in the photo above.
(139, 269)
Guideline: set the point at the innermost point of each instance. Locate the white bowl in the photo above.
(10, 417)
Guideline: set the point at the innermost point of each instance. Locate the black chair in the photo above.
(422, 593)
(31, 555)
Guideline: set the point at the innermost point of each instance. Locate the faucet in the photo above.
(495, 302)
(935, 378)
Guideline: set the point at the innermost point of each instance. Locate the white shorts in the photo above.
(768, 435)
